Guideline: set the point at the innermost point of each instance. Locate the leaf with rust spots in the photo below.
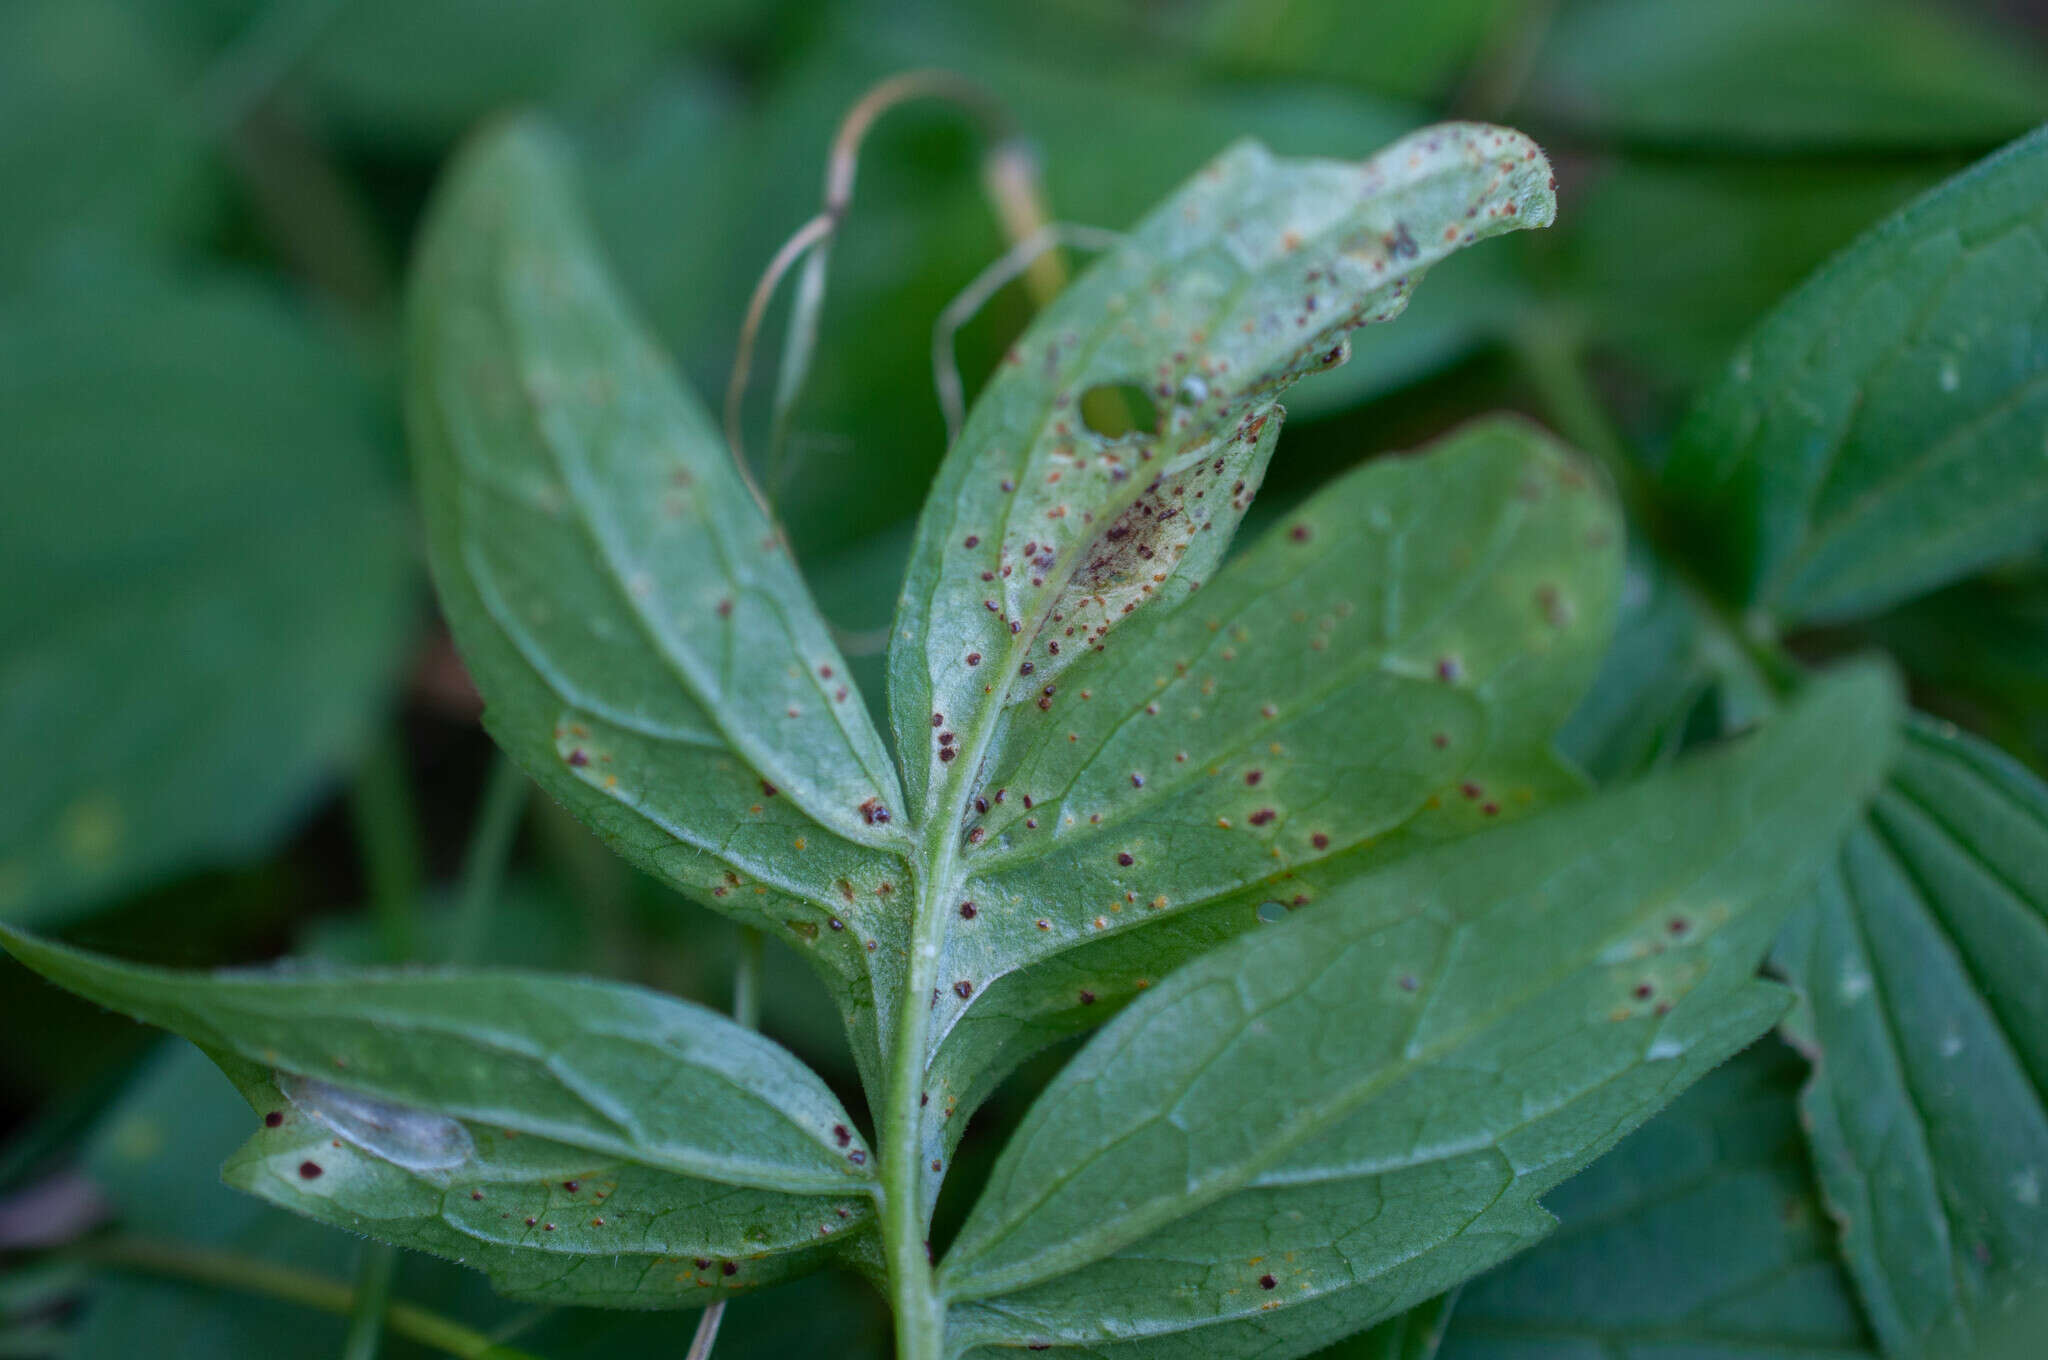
(643, 642)
(1243, 282)
(1328, 1121)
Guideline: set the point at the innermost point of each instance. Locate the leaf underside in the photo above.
(1335, 1118)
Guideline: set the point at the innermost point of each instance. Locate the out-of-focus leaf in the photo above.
(1782, 74)
(1983, 646)
(1702, 1235)
(1320, 1124)
(641, 637)
(1880, 433)
(1426, 623)
(1387, 46)
(1674, 262)
(582, 1142)
(1417, 1334)
(101, 143)
(396, 72)
(1670, 672)
(1922, 970)
(206, 536)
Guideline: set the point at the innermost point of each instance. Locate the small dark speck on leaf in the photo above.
(310, 1171)
(1268, 1282)
(273, 1119)
(1123, 857)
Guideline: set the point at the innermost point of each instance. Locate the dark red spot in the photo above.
(836, 923)
(728, 1268)
(1440, 741)
(572, 1186)
(309, 1171)
(1319, 841)
(273, 1119)
(1268, 1282)
(1262, 816)
(963, 989)
(873, 813)
(476, 1194)
(842, 1135)
(1123, 857)
(1679, 925)
(973, 541)
(1087, 998)
(946, 754)
(1643, 991)
(974, 658)
(1490, 809)
(1137, 781)
(768, 790)
(1299, 533)
(1252, 777)
(701, 1262)
(967, 911)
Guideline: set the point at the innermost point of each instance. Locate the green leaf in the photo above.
(1325, 1122)
(101, 143)
(1702, 1234)
(1880, 433)
(199, 491)
(1674, 672)
(1414, 51)
(1983, 648)
(1675, 260)
(1425, 623)
(1922, 970)
(388, 72)
(1417, 1334)
(640, 635)
(443, 1110)
(154, 1158)
(1816, 74)
(1247, 279)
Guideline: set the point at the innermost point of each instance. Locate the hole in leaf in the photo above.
(1270, 912)
(1119, 410)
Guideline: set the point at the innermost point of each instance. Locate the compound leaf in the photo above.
(1328, 1121)
(1922, 971)
(1880, 434)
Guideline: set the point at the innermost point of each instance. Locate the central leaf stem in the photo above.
(913, 1291)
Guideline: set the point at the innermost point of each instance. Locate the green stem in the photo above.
(1556, 367)
(251, 1275)
(371, 1307)
(483, 863)
(387, 827)
(746, 1010)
